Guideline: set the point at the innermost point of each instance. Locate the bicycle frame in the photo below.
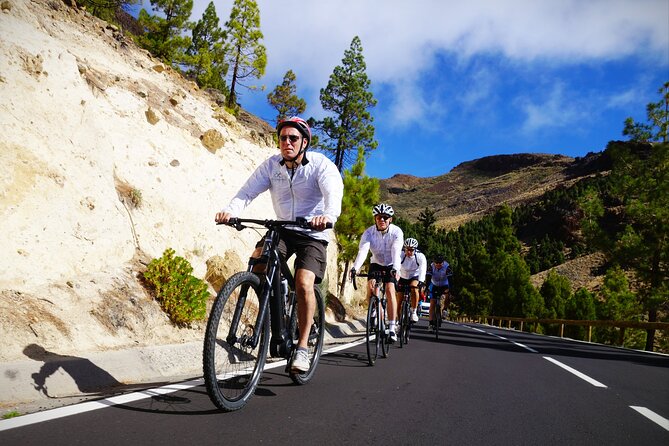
(275, 268)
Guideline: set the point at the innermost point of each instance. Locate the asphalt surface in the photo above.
(476, 385)
(50, 380)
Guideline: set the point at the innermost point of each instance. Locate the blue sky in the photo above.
(457, 80)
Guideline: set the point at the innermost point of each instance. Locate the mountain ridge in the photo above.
(476, 188)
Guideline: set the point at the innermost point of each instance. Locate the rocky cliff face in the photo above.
(108, 158)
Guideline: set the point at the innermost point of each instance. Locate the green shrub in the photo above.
(10, 414)
(181, 295)
(136, 197)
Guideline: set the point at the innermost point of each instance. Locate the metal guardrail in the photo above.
(507, 320)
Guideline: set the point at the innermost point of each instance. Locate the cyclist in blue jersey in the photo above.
(437, 275)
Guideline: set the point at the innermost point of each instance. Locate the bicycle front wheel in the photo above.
(316, 335)
(232, 364)
(437, 320)
(383, 328)
(405, 323)
(373, 336)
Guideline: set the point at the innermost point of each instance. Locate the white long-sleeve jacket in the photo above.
(413, 266)
(385, 246)
(316, 188)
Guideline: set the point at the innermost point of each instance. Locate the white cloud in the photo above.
(556, 110)
(401, 38)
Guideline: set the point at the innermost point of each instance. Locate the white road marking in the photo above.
(583, 376)
(652, 416)
(525, 347)
(503, 338)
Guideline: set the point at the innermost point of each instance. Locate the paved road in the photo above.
(476, 385)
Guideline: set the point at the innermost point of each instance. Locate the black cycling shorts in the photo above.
(310, 253)
(387, 277)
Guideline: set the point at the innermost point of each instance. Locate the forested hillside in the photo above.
(611, 208)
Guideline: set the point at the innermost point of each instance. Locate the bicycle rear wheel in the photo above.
(373, 336)
(316, 335)
(232, 367)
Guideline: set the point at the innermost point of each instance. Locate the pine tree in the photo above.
(245, 54)
(207, 52)
(348, 97)
(164, 36)
(284, 98)
(105, 9)
(580, 307)
(633, 229)
(556, 291)
(657, 128)
(360, 194)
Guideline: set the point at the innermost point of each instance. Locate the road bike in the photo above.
(405, 321)
(376, 333)
(252, 305)
(438, 316)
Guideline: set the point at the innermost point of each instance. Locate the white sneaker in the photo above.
(414, 316)
(392, 336)
(301, 362)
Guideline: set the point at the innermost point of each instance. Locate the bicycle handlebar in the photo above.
(378, 275)
(238, 223)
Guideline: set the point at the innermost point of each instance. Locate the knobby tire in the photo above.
(232, 372)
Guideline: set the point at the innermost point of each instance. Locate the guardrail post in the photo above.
(561, 330)
(589, 333)
(521, 325)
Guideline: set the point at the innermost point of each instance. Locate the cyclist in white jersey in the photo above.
(300, 186)
(412, 272)
(385, 241)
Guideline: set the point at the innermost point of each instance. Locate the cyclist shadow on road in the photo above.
(89, 378)
(353, 357)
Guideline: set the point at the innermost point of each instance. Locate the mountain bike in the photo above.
(377, 318)
(248, 308)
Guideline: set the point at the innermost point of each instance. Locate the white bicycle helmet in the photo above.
(411, 243)
(383, 209)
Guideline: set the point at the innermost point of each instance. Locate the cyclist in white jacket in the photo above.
(412, 272)
(385, 241)
(300, 186)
